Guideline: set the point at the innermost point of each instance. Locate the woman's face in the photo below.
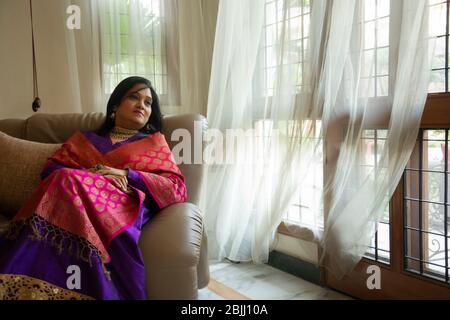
(135, 108)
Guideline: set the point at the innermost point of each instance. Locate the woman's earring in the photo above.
(113, 114)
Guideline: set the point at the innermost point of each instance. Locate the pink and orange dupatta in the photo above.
(84, 209)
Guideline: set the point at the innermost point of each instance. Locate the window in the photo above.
(420, 182)
(288, 21)
(426, 204)
(308, 202)
(425, 182)
(372, 143)
(376, 26)
(439, 26)
(134, 43)
(291, 18)
(376, 47)
(419, 238)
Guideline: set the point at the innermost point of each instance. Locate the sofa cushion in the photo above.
(21, 163)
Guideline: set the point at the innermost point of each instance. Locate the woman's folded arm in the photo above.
(165, 188)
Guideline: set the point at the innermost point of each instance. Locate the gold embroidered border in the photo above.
(20, 287)
(55, 236)
(58, 238)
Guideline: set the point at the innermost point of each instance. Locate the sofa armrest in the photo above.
(203, 264)
(171, 247)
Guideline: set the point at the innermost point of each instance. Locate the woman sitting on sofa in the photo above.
(77, 236)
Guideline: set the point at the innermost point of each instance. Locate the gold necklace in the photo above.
(118, 133)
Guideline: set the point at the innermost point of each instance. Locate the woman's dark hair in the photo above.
(154, 123)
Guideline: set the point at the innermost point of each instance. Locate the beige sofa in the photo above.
(173, 244)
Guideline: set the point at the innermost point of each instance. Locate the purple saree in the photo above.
(31, 267)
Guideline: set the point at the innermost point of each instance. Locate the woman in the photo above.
(77, 236)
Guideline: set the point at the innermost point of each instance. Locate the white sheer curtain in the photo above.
(254, 86)
(358, 193)
(84, 57)
(309, 77)
(197, 22)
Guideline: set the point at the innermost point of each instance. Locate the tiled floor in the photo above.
(261, 282)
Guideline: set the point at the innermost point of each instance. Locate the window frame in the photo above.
(173, 95)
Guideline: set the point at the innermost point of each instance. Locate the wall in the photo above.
(56, 59)
(298, 248)
(16, 84)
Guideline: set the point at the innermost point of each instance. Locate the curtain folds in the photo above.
(84, 58)
(303, 80)
(358, 196)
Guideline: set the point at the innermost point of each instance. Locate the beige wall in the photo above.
(57, 59)
(301, 249)
(16, 84)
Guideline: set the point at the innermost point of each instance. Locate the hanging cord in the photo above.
(36, 102)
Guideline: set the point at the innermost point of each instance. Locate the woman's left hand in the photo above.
(118, 177)
(105, 170)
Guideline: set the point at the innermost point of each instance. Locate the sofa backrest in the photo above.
(57, 128)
